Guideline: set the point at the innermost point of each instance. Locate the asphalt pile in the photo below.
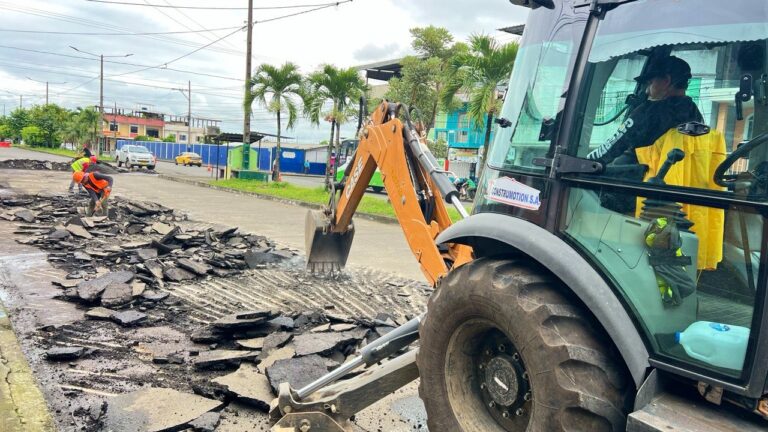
(140, 242)
(37, 165)
(127, 271)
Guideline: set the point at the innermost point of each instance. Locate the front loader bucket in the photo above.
(327, 251)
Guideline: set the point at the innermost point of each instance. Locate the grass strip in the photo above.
(62, 152)
(318, 195)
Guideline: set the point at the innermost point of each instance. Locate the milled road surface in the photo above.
(377, 245)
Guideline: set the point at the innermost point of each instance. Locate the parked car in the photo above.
(135, 155)
(189, 158)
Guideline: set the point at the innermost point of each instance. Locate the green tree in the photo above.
(340, 87)
(89, 120)
(5, 131)
(50, 119)
(423, 76)
(439, 148)
(478, 73)
(32, 135)
(80, 126)
(170, 138)
(18, 120)
(142, 138)
(275, 88)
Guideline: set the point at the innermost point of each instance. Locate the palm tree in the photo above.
(341, 87)
(89, 119)
(274, 88)
(478, 73)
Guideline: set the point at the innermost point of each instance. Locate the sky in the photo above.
(36, 46)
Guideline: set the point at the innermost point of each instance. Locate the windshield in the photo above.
(537, 84)
(139, 149)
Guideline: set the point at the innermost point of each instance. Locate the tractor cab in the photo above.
(639, 136)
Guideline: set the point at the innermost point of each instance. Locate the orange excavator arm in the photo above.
(416, 187)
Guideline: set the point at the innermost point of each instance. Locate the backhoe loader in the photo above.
(584, 292)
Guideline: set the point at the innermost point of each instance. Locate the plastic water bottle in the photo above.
(718, 344)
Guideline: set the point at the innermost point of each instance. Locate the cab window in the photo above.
(675, 219)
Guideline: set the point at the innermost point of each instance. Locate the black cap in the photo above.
(675, 67)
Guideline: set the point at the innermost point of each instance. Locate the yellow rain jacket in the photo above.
(702, 156)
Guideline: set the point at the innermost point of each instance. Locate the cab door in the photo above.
(676, 221)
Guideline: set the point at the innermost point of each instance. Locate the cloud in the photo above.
(463, 18)
(373, 52)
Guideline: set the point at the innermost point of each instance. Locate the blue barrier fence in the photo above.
(291, 160)
(210, 153)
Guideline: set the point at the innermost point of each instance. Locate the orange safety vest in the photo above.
(702, 156)
(95, 184)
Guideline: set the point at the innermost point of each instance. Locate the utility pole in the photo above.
(21, 104)
(189, 115)
(101, 86)
(247, 114)
(188, 95)
(46, 87)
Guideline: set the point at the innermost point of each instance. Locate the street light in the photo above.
(101, 81)
(46, 86)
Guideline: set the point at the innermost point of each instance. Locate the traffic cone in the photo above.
(209, 167)
(280, 177)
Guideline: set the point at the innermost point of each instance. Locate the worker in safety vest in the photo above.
(99, 186)
(79, 165)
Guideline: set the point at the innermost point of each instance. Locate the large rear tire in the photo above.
(506, 347)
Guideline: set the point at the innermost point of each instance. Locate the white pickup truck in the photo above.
(135, 155)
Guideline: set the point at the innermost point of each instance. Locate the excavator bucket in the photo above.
(327, 251)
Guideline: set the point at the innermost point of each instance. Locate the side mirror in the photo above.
(533, 4)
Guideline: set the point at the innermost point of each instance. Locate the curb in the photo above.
(22, 405)
(368, 216)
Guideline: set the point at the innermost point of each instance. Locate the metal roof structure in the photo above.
(515, 29)
(382, 70)
(227, 137)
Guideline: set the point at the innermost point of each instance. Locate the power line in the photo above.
(91, 23)
(164, 64)
(216, 7)
(180, 22)
(118, 62)
(195, 22)
(115, 34)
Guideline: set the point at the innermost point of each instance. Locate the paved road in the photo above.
(377, 245)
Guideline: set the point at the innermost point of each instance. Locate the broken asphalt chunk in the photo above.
(283, 353)
(325, 343)
(90, 290)
(175, 274)
(274, 341)
(222, 358)
(99, 313)
(155, 410)
(243, 320)
(193, 266)
(79, 231)
(155, 296)
(146, 254)
(249, 385)
(128, 318)
(65, 353)
(117, 294)
(298, 372)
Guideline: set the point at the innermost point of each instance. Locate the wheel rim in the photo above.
(487, 380)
